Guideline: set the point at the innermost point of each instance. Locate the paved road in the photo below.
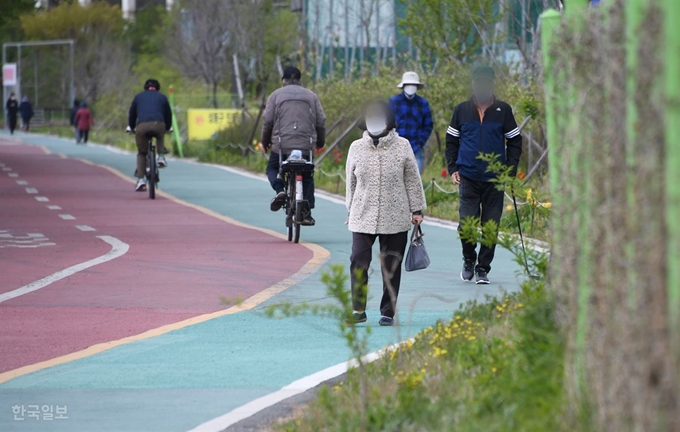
(143, 341)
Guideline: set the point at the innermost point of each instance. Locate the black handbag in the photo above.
(417, 257)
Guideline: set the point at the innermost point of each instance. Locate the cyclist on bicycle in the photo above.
(150, 116)
(293, 120)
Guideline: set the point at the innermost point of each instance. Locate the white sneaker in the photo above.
(160, 160)
(141, 185)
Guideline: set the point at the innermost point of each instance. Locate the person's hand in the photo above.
(417, 219)
(129, 130)
(456, 178)
(265, 150)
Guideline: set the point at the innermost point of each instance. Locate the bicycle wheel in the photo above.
(151, 163)
(290, 208)
(296, 224)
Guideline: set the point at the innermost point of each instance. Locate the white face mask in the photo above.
(376, 125)
(410, 89)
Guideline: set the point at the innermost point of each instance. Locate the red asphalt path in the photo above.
(180, 262)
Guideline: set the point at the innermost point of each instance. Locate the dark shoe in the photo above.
(308, 221)
(357, 317)
(468, 271)
(482, 277)
(278, 201)
(386, 321)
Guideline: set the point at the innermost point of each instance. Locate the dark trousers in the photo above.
(83, 135)
(142, 133)
(277, 184)
(392, 247)
(483, 201)
(12, 120)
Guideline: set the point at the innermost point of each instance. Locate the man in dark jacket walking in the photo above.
(483, 125)
(27, 113)
(293, 119)
(12, 107)
(150, 116)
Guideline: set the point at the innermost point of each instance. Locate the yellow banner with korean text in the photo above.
(204, 124)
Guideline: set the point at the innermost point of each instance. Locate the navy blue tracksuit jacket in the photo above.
(469, 135)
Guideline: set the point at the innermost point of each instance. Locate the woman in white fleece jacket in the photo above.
(384, 197)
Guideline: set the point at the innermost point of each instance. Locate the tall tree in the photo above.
(453, 30)
(264, 33)
(10, 27)
(102, 60)
(197, 41)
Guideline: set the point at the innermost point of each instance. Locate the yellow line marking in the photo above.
(320, 256)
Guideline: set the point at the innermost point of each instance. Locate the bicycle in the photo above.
(297, 208)
(152, 176)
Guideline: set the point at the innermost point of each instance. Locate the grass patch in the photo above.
(495, 366)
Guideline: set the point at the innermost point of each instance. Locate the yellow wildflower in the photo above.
(437, 352)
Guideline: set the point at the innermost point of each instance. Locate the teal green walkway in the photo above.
(179, 380)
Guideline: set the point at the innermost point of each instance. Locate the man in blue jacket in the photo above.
(150, 115)
(413, 116)
(485, 125)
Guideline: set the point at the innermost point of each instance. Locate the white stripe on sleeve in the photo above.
(453, 132)
(513, 133)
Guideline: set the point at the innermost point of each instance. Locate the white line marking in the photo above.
(22, 182)
(85, 228)
(7, 169)
(296, 387)
(67, 217)
(42, 199)
(31, 190)
(118, 249)
(13, 175)
(2, 164)
(54, 207)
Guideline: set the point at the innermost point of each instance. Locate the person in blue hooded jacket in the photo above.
(481, 125)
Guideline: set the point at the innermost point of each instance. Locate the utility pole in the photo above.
(347, 68)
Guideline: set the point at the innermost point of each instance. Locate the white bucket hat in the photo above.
(410, 78)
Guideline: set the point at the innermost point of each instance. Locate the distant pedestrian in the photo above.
(413, 116)
(12, 107)
(384, 197)
(74, 110)
(27, 113)
(481, 124)
(83, 121)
